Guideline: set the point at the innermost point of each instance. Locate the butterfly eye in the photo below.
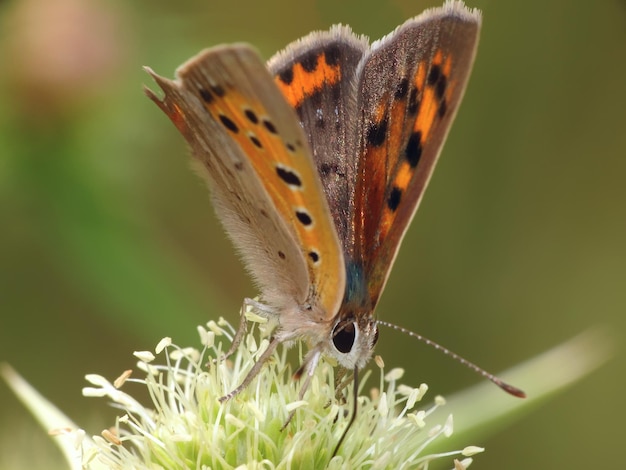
(344, 336)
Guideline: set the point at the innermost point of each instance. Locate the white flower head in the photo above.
(186, 426)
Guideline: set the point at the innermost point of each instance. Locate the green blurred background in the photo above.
(108, 240)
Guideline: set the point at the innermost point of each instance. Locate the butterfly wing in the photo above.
(255, 156)
(410, 86)
(317, 75)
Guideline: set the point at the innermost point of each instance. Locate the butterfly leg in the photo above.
(307, 368)
(241, 331)
(342, 380)
(256, 368)
(243, 324)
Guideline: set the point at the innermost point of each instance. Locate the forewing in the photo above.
(317, 76)
(251, 148)
(411, 84)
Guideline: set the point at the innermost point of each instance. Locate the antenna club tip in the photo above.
(511, 390)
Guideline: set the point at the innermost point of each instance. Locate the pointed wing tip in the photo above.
(164, 84)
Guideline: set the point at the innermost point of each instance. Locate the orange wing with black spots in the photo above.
(248, 143)
(408, 104)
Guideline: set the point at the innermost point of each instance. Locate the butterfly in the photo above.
(317, 162)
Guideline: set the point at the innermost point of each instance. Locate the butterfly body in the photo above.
(318, 161)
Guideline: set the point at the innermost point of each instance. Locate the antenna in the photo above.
(510, 389)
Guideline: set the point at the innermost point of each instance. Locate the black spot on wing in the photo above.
(218, 90)
(402, 89)
(393, 201)
(434, 75)
(377, 132)
(270, 126)
(252, 117)
(413, 149)
(414, 104)
(206, 95)
(229, 124)
(438, 80)
(309, 62)
(288, 176)
(304, 218)
(286, 76)
(332, 55)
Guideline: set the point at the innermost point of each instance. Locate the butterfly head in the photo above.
(353, 338)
